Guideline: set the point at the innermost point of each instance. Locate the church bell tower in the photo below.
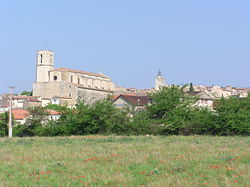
(44, 64)
(159, 81)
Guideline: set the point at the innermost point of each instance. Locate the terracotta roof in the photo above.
(20, 114)
(53, 112)
(136, 100)
(82, 72)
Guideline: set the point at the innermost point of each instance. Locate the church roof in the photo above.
(82, 72)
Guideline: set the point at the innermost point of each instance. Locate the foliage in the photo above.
(200, 121)
(34, 124)
(171, 107)
(25, 92)
(171, 112)
(233, 116)
(191, 87)
(100, 117)
(4, 119)
(56, 107)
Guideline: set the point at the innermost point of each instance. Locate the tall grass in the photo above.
(125, 161)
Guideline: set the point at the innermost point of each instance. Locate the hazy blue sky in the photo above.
(201, 41)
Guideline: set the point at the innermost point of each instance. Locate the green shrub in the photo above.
(233, 116)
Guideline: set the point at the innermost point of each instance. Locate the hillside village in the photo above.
(64, 86)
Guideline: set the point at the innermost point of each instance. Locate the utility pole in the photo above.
(10, 111)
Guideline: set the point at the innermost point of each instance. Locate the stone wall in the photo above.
(90, 95)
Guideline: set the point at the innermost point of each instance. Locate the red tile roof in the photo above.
(20, 114)
(82, 72)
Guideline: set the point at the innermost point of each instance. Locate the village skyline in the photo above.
(190, 42)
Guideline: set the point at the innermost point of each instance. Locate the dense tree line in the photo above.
(171, 112)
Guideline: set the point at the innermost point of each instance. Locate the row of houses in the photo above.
(21, 116)
(21, 104)
(138, 102)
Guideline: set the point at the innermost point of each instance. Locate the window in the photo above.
(78, 80)
(71, 78)
(69, 94)
(55, 78)
(41, 58)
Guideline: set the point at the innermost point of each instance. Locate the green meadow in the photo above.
(125, 161)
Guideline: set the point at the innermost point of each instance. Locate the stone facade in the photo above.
(68, 84)
(159, 81)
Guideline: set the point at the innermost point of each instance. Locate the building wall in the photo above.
(205, 103)
(68, 84)
(121, 103)
(44, 64)
(91, 95)
(159, 82)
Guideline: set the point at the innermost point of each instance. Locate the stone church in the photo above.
(66, 86)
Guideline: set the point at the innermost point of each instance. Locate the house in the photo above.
(53, 115)
(204, 99)
(4, 108)
(20, 115)
(56, 100)
(31, 102)
(131, 101)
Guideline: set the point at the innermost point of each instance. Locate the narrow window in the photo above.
(78, 80)
(71, 78)
(41, 58)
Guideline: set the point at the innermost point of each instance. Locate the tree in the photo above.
(233, 116)
(200, 121)
(4, 119)
(34, 124)
(25, 92)
(191, 88)
(171, 107)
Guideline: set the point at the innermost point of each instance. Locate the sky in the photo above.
(204, 42)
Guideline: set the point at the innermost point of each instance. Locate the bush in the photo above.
(200, 121)
(233, 116)
(4, 119)
(170, 107)
(171, 112)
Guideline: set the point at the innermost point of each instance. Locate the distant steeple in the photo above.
(159, 73)
(159, 81)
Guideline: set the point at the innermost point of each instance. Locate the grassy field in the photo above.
(125, 161)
